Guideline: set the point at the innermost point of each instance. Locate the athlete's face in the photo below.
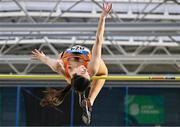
(80, 70)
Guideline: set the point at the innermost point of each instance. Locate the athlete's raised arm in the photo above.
(55, 64)
(96, 50)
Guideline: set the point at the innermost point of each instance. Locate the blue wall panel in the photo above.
(108, 110)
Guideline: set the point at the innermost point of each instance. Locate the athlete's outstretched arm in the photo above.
(96, 50)
(55, 64)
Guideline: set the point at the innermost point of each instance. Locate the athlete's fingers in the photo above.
(107, 8)
(42, 53)
(33, 57)
(34, 53)
(110, 6)
(37, 51)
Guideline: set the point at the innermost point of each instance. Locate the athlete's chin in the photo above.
(87, 77)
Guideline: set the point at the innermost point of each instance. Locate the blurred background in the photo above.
(142, 37)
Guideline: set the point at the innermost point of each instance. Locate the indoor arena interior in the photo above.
(90, 63)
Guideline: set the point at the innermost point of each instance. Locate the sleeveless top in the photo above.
(76, 51)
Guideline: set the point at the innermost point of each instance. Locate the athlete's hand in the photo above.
(37, 55)
(106, 9)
